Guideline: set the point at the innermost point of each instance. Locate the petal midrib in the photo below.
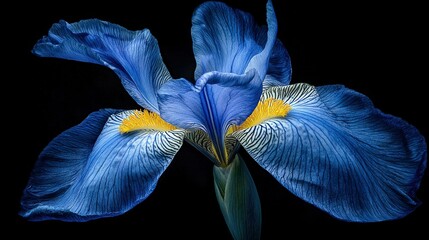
(213, 129)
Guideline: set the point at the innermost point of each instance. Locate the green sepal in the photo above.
(238, 199)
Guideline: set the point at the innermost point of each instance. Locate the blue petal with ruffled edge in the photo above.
(229, 40)
(133, 55)
(338, 152)
(70, 184)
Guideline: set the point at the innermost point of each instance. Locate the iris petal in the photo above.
(279, 70)
(121, 171)
(61, 161)
(260, 61)
(133, 55)
(212, 105)
(180, 105)
(229, 40)
(337, 151)
(184, 105)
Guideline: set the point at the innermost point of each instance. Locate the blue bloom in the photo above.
(328, 145)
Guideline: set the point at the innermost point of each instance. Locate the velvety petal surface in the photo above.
(335, 150)
(77, 182)
(133, 55)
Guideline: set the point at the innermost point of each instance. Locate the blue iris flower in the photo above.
(328, 145)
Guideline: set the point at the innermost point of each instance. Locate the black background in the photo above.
(376, 49)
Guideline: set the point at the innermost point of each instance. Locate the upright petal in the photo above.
(229, 40)
(133, 55)
(338, 152)
(279, 70)
(260, 61)
(217, 101)
(121, 171)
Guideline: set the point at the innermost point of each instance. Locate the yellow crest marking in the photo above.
(144, 120)
(266, 109)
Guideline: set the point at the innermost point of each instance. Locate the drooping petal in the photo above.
(120, 172)
(335, 150)
(217, 101)
(133, 55)
(229, 40)
(63, 159)
(238, 199)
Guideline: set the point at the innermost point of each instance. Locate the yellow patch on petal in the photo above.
(144, 120)
(266, 109)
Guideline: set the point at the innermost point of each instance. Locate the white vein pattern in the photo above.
(343, 155)
(121, 171)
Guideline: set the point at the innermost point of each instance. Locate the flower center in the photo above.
(144, 120)
(266, 109)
